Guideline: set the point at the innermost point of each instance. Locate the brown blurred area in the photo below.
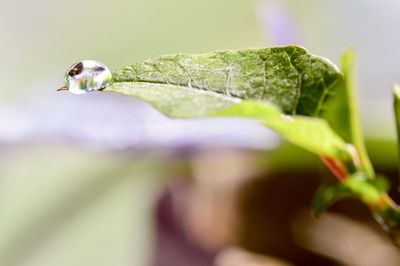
(236, 212)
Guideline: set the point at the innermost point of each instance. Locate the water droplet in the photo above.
(87, 76)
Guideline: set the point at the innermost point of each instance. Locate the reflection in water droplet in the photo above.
(86, 76)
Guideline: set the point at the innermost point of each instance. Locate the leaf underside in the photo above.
(311, 133)
(184, 85)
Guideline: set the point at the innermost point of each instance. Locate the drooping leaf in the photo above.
(342, 110)
(184, 85)
(311, 133)
(328, 195)
(358, 186)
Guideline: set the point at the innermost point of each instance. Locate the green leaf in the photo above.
(176, 101)
(358, 186)
(260, 83)
(342, 111)
(337, 111)
(328, 195)
(310, 133)
(185, 85)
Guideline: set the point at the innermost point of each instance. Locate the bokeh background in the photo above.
(102, 179)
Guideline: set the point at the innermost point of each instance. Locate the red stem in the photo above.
(336, 167)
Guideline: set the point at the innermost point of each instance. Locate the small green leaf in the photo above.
(358, 186)
(310, 133)
(185, 85)
(328, 195)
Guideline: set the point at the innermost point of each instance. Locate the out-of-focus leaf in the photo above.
(186, 86)
(342, 110)
(337, 110)
(328, 195)
(357, 186)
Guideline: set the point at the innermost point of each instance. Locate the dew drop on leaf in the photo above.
(87, 76)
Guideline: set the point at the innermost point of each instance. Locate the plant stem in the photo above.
(387, 214)
(336, 167)
(396, 107)
(357, 138)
